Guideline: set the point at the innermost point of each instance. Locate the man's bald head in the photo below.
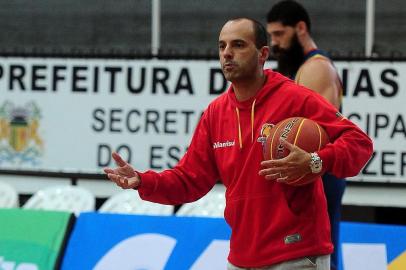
(261, 37)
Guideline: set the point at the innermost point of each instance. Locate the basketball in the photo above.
(301, 132)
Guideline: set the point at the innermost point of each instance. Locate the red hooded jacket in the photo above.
(271, 222)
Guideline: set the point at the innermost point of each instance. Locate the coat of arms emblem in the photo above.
(19, 139)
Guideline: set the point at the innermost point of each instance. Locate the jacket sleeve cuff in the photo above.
(148, 183)
(327, 157)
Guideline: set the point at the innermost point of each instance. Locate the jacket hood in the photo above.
(273, 81)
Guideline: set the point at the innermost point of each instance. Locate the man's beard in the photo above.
(290, 59)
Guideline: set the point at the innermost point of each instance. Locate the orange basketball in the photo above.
(301, 132)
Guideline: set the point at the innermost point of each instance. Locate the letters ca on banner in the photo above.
(71, 114)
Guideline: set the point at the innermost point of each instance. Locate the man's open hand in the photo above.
(124, 175)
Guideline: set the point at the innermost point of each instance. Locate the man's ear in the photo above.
(301, 28)
(264, 54)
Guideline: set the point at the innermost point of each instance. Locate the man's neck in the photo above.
(246, 89)
(308, 45)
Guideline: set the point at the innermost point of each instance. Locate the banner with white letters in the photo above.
(128, 242)
(71, 114)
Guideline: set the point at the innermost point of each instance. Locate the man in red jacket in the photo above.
(274, 225)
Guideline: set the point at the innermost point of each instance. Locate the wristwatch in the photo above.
(316, 164)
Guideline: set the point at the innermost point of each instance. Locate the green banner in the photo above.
(31, 239)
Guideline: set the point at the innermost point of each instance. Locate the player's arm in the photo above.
(321, 76)
(194, 175)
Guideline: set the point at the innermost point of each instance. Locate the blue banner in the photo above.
(133, 242)
(112, 241)
(373, 246)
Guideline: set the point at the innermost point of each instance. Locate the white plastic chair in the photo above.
(8, 196)
(211, 205)
(62, 198)
(129, 202)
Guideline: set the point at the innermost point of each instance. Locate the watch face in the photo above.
(315, 163)
(316, 168)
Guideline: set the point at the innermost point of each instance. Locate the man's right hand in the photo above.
(124, 175)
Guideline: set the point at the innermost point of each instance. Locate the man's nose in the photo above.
(227, 52)
(274, 42)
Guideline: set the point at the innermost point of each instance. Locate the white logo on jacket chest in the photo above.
(223, 144)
